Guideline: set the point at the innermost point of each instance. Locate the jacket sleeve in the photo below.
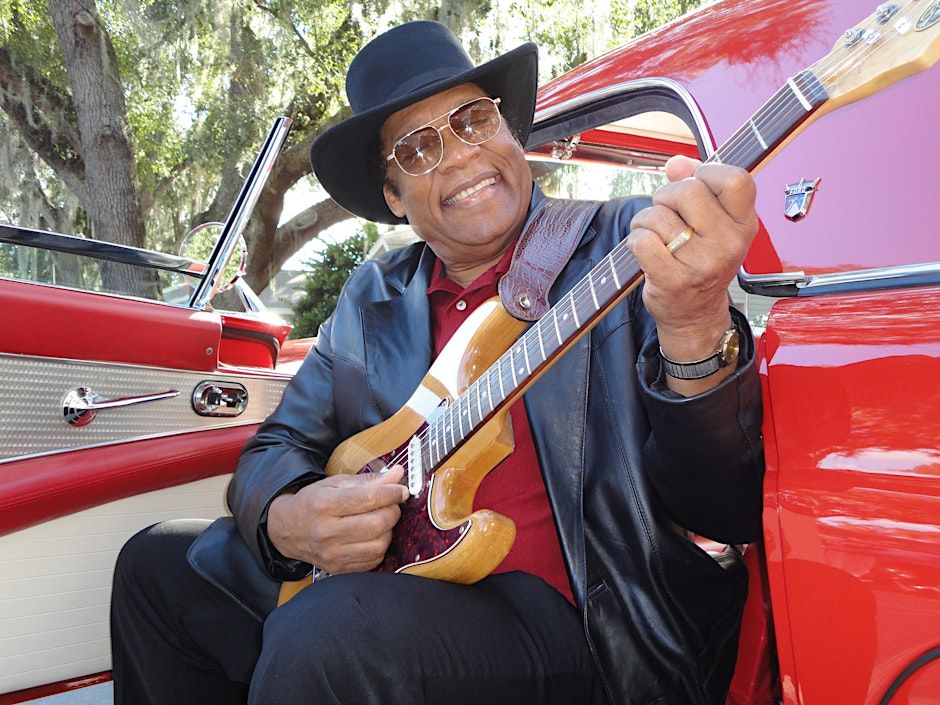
(289, 451)
(704, 455)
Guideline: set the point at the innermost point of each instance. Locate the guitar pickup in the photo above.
(415, 467)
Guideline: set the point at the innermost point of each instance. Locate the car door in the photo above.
(179, 391)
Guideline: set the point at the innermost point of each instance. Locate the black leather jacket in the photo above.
(624, 460)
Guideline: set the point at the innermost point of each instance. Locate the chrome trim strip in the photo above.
(868, 275)
(795, 278)
(97, 249)
(809, 284)
(629, 87)
(241, 212)
(32, 424)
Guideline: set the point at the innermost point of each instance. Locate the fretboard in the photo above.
(604, 286)
(795, 101)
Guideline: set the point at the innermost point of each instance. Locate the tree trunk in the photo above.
(113, 203)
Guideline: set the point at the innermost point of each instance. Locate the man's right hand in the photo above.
(342, 524)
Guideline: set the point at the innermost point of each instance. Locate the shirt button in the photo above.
(461, 305)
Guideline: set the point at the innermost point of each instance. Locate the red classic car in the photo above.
(117, 411)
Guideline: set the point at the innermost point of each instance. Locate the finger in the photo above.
(694, 203)
(357, 494)
(368, 526)
(360, 557)
(653, 257)
(661, 220)
(361, 567)
(681, 167)
(734, 188)
(667, 226)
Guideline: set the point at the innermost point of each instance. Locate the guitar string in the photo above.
(581, 291)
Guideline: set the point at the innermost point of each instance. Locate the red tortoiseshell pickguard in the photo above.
(415, 539)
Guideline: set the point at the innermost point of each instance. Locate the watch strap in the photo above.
(726, 354)
(691, 370)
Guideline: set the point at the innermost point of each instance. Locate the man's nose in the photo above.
(456, 152)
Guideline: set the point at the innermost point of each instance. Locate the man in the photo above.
(603, 597)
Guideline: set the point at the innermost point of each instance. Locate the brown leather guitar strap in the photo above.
(543, 250)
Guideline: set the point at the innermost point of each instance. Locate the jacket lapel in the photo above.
(557, 409)
(397, 336)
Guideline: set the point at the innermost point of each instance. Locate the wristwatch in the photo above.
(726, 354)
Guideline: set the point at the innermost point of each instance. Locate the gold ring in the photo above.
(679, 240)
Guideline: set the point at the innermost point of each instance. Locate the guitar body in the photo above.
(440, 535)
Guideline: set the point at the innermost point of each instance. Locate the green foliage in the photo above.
(631, 18)
(327, 273)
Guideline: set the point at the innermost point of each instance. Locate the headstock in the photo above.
(899, 39)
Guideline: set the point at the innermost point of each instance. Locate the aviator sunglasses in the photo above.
(421, 150)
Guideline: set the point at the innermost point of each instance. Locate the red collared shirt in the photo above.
(515, 487)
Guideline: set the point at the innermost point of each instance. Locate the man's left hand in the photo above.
(686, 291)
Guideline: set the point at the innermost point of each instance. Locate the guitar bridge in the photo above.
(415, 467)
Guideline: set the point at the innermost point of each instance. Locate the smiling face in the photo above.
(471, 207)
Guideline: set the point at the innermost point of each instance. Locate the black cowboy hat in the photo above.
(396, 69)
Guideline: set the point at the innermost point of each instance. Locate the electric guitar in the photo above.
(455, 427)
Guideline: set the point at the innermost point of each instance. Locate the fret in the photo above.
(450, 427)
(465, 407)
(538, 332)
(525, 354)
(499, 367)
(512, 369)
(557, 332)
(593, 293)
(613, 269)
(489, 394)
(458, 409)
(479, 404)
(799, 94)
(757, 134)
(574, 309)
(435, 454)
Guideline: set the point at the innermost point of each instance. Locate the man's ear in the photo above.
(393, 199)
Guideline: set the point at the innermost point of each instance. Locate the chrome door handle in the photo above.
(82, 403)
(220, 398)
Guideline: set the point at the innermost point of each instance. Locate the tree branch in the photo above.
(290, 237)
(288, 25)
(45, 117)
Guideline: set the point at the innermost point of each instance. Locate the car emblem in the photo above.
(929, 17)
(799, 196)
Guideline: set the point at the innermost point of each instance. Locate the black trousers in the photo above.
(357, 639)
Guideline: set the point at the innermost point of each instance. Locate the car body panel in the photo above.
(852, 508)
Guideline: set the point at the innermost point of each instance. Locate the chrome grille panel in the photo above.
(32, 389)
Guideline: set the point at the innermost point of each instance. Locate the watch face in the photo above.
(730, 347)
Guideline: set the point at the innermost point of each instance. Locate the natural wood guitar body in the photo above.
(439, 535)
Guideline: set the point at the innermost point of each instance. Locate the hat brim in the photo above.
(345, 158)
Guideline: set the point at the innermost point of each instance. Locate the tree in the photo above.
(135, 120)
(326, 274)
